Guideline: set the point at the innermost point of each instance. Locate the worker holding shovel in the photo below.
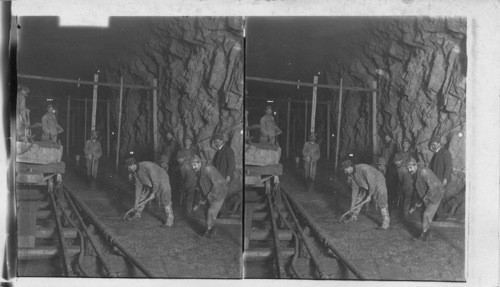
(150, 181)
(368, 178)
(311, 154)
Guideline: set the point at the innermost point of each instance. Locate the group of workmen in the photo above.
(407, 175)
(215, 180)
(50, 128)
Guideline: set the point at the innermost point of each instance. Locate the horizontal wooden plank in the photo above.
(273, 169)
(56, 167)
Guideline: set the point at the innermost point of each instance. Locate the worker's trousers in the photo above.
(188, 176)
(430, 211)
(380, 197)
(268, 139)
(310, 169)
(405, 189)
(92, 165)
(49, 137)
(213, 211)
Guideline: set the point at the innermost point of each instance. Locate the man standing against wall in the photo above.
(225, 163)
(188, 175)
(405, 179)
(442, 166)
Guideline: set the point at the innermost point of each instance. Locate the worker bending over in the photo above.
(214, 187)
(151, 181)
(370, 179)
(430, 190)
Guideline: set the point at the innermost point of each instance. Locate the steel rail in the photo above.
(307, 243)
(108, 234)
(323, 237)
(67, 266)
(281, 271)
(82, 245)
(296, 240)
(94, 244)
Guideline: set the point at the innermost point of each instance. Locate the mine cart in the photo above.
(262, 167)
(38, 165)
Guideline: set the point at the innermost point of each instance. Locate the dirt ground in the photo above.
(175, 252)
(386, 255)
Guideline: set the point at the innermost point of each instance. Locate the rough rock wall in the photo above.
(420, 66)
(199, 66)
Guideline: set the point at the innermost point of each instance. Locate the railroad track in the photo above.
(281, 240)
(57, 231)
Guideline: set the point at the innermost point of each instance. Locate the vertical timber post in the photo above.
(155, 119)
(94, 102)
(374, 121)
(68, 115)
(119, 123)
(313, 105)
(289, 105)
(328, 116)
(337, 145)
(85, 131)
(108, 132)
(305, 124)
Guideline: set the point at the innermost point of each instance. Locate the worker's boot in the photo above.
(425, 235)
(137, 215)
(352, 218)
(209, 232)
(386, 219)
(170, 217)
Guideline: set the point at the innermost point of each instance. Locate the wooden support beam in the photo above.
(155, 121)
(85, 126)
(94, 103)
(67, 126)
(80, 82)
(108, 130)
(337, 146)
(308, 84)
(288, 128)
(328, 131)
(313, 105)
(305, 123)
(119, 123)
(374, 121)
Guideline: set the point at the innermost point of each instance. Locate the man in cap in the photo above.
(442, 166)
(170, 147)
(214, 187)
(92, 153)
(225, 163)
(23, 114)
(371, 180)
(151, 181)
(268, 128)
(311, 154)
(430, 190)
(388, 149)
(188, 175)
(50, 127)
(405, 179)
(381, 165)
(163, 162)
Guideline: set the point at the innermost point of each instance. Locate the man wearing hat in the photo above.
(369, 179)
(92, 153)
(188, 175)
(268, 128)
(442, 166)
(50, 127)
(430, 190)
(311, 154)
(23, 114)
(214, 187)
(151, 180)
(405, 179)
(381, 165)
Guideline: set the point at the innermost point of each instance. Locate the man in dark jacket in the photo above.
(151, 181)
(405, 179)
(214, 187)
(430, 189)
(188, 175)
(442, 166)
(224, 158)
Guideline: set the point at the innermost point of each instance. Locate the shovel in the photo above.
(352, 209)
(138, 206)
